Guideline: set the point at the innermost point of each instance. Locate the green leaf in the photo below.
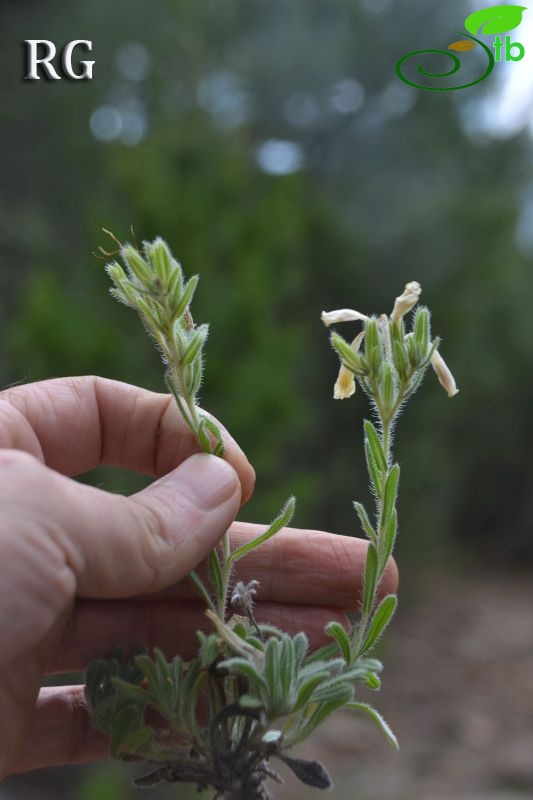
(301, 645)
(283, 519)
(389, 535)
(375, 445)
(372, 338)
(308, 686)
(215, 431)
(148, 669)
(286, 669)
(400, 359)
(376, 717)
(330, 664)
(323, 711)
(389, 495)
(149, 316)
(160, 259)
(371, 569)
(349, 357)
(372, 681)
(331, 690)
(365, 522)
(412, 352)
(215, 572)
(369, 663)
(130, 690)
(123, 724)
(241, 666)
(202, 436)
(373, 472)
(387, 387)
(382, 616)
(324, 652)
(203, 590)
(139, 270)
(272, 674)
(208, 651)
(188, 694)
(191, 694)
(185, 300)
(336, 630)
(497, 19)
(196, 342)
(175, 284)
(421, 330)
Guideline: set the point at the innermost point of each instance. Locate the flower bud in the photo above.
(444, 375)
(160, 259)
(406, 301)
(387, 387)
(138, 267)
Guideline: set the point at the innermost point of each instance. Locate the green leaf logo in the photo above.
(497, 19)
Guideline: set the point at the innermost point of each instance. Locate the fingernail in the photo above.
(208, 481)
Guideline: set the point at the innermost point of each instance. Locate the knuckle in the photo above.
(18, 460)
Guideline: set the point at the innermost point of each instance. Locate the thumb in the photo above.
(122, 546)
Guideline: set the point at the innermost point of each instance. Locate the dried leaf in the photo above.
(463, 44)
(312, 773)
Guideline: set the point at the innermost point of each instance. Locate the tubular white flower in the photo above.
(342, 315)
(345, 384)
(444, 375)
(406, 301)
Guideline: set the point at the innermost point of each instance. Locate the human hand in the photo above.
(83, 570)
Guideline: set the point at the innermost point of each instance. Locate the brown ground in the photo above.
(457, 690)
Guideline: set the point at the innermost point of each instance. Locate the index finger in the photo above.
(74, 424)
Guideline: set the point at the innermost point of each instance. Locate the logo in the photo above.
(486, 22)
(40, 54)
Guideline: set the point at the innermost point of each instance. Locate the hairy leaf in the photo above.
(365, 522)
(382, 616)
(389, 495)
(336, 630)
(283, 519)
(374, 715)
(375, 445)
(371, 568)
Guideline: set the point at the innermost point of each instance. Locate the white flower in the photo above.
(444, 375)
(342, 315)
(406, 301)
(345, 384)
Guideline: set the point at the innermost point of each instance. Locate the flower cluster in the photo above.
(389, 351)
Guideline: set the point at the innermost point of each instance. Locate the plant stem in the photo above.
(362, 625)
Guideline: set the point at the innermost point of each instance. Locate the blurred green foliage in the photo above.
(393, 190)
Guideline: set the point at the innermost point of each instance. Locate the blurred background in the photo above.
(273, 146)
